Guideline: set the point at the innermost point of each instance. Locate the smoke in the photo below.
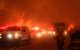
(39, 11)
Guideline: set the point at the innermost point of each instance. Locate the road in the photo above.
(35, 44)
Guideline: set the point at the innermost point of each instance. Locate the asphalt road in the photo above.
(35, 44)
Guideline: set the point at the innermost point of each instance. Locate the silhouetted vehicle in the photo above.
(75, 40)
(14, 35)
(60, 28)
(25, 34)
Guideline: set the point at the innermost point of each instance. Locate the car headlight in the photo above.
(10, 36)
(52, 32)
(16, 35)
(0, 36)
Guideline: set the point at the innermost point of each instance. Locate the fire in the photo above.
(36, 28)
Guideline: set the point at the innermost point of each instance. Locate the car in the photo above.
(60, 28)
(75, 39)
(14, 35)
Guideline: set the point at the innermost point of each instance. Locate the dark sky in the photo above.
(12, 11)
